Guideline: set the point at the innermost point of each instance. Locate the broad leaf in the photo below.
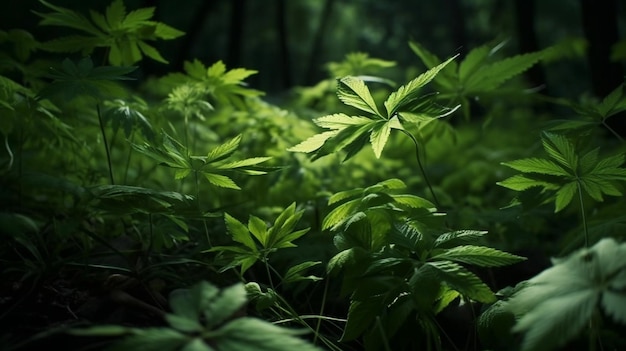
(479, 256)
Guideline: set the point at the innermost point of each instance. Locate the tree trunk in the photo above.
(318, 42)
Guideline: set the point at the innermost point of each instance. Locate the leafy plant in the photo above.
(123, 34)
(568, 298)
(205, 318)
(567, 173)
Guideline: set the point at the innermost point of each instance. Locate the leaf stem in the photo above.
(419, 163)
(319, 321)
(106, 144)
(8, 148)
(582, 212)
(619, 137)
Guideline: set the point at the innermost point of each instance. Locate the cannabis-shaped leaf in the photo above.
(215, 82)
(173, 154)
(125, 34)
(593, 113)
(478, 74)
(73, 80)
(351, 133)
(205, 318)
(568, 173)
(257, 240)
(557, 304)
(128, 115)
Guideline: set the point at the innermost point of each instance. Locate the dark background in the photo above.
(288, 41)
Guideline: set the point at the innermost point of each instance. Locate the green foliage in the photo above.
(568, 173)
(205, 318)
(350, 133)
(174, 155)
(125, 35)
(279, 236)
(556, 305)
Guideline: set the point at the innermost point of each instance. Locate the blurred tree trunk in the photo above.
(284, 57)
(525, 24)
(192, 32)
(599, 20)
(318, 42)
(235, 35)
(457, 16)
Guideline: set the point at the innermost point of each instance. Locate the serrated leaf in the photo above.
(564, 196)
(479, 256)
(413, 201)
(493, 75)
(520, 182)
(239, 232)
(243, 163)
(313, 143)
(342, 195)
(340, 121)
(472, 62)
(294, 273)
(360, 316)
(451, 239)
(67, 18)
(221, 180)
(225, 304)
(537, 165)
(115, 14)
(138, 16)
(379, 136)
(463, 281)
(224, 150)
(560, 149)
(408, 93)
(258, 228)
(339, 214)
(153, 339)
(353, 92)
(250, 334)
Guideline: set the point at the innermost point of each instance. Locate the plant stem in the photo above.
(419, 163)
(269, 275)
(106, 144)
(382, 334)
(582, 212)
(130, 152)
(319, 321)
(8, 148)
(619, 137)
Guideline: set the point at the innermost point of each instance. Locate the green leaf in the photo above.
(537, 165)
(379, 136)
(224, 150)
(493, 75)
(353, 92)
(115, 14)
(478, 255)
(560, 149)
(459, 237)
(339, 214)
(313, 143)
(520, 183)
(226, 304)
(221, 180)
(67, 18)
(340, 121)
(409, 92)
(183, 324)
(153, 339)
(258, 228)
(462, 280)
(360, 316)
(250, 334)
(239, 232)
(473, 62)
(294, 273)
(565, 195)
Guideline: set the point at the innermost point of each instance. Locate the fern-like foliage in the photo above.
(204, 317)
(256, 241)
(351, 133)
(479, 74)
(395, 260)
(567, 172)
(124, 34)
(212, 166)
(556, 305)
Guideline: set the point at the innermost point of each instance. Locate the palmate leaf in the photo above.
(560, 149)
(251, 334)
(239, 232)
(353, 92)
(479, 256)
(462, 280)
(555, 305)
(408, 93)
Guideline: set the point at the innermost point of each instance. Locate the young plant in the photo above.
(568, 174)
(204, 318)
(124, 35)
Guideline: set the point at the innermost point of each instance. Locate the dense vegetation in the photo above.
(446, 205)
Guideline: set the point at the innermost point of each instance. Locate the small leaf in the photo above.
(537, 165)
(565, 195)
(353, 92)
(258, 228)
(224, 150)
(239, 232)
(251, 334)
(294, 273)
(520, 183)
(560, 149)
(451, 239)
(463, 281)
(379, 137)
(313, 143)
(221, 180)
(478, 255)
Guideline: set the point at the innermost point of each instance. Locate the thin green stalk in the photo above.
(267, 269)
(419, 163)
(319, 321)
(106, 144)
(582, 212)
(130, 152)
(8, 148)
(619, 137)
